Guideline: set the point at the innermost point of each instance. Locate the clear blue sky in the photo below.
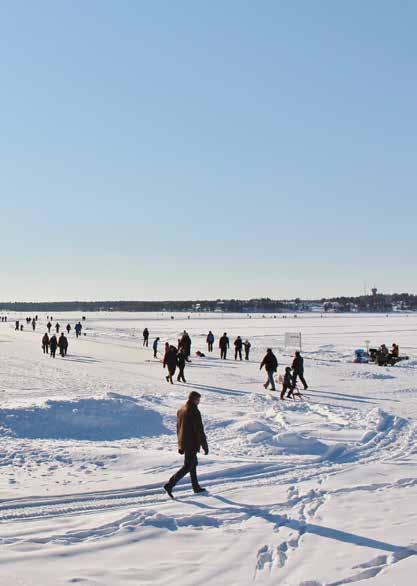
(168, 150)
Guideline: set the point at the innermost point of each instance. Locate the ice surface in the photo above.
(313, 492)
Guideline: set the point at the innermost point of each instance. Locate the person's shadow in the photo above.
(302, 528)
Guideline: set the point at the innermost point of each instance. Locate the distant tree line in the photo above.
(377, 302)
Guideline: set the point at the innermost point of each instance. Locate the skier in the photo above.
(287, 384)
(145, 337)
(181, 365)
(45, 343)
(170, 361)
(210, 341)
(298, 370)
(247, 346)
(53, 343)
(223, 345)
(271, 364)
(49, 326)
(57, 326)
(68, 328)
(191, 437)
(238, 347)
(155, 347)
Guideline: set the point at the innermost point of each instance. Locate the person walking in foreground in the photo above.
(191, 437)
(210, 341)
(298, 370)
(155, 347)
(145, 334)
(271, 364)
(247, 345)
(170, 361)
(68, 328)
(223, 345)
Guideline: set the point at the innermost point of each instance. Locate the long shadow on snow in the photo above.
(212, 389)
(303, 528)
(353, 398)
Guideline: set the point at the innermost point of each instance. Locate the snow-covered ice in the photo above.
(318, 492)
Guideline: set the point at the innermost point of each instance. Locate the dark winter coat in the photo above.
(185, 344)
(270, 362)
(224, 342)
(53, 343)
(238, 343)
(146, 333)
(210, 339)
(63, 342)
(298, 365)
(45, 340)
(190, 430)
(170, 358)
(180, 360)
(287, 379)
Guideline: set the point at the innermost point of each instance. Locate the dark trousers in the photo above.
(238, 352)
(246, 354)
(285, 388)
(171, 372)
(190, 466)
(45, 348)
(223, 353)
(301, 377)
(53, 352)
(145, 342)
(270, 380)
(181, 376)
(154, 352)
(210, 346)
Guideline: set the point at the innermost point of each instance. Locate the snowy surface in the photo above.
(319, 492)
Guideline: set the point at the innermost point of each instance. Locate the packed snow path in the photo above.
(314, 492)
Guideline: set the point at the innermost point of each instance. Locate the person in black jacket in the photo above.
(170, 361)
(287, 384)
(181, 365)
(298, 370)
(145, 334)
(63, 344)
(185, 345)
(53, 343)
(191, 437)
(223, 345)
(238, 347)
(270, 363)
(45, 343)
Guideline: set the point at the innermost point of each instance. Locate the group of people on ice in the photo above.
(50, 344)
(176, 357)
(289, 381)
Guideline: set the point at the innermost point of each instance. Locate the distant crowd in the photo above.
(176, 357)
